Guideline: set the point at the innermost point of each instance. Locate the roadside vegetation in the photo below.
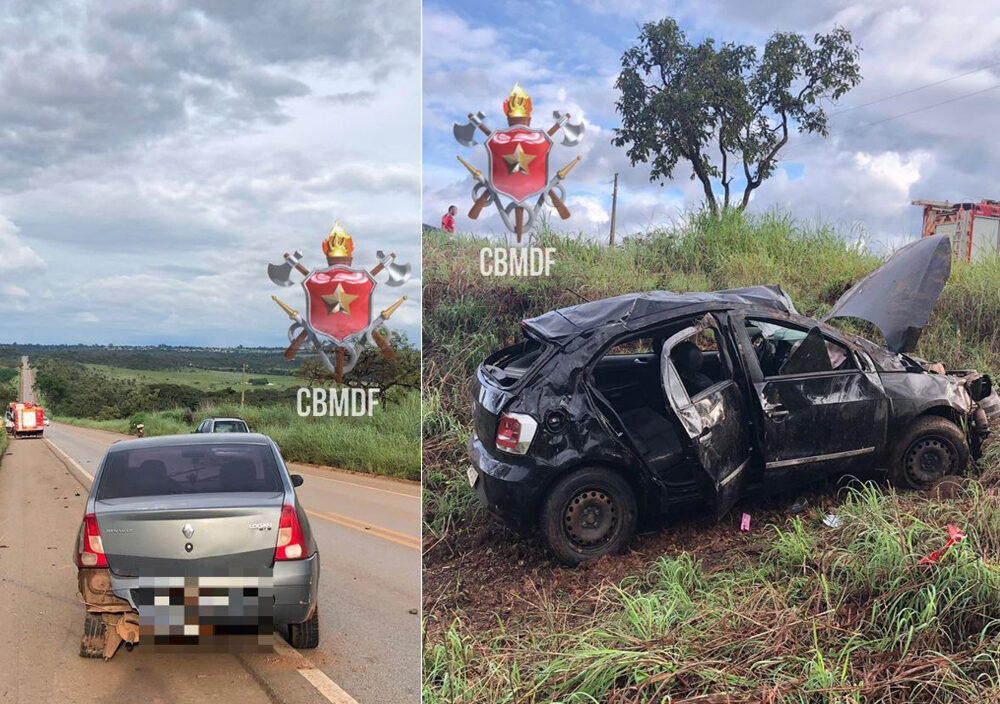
(118, 399)
(386, 443)
(9, 378)
(793, 611)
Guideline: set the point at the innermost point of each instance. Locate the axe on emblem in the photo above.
(572, 134)
(281, 274)
(466, 134)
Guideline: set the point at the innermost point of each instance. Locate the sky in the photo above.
(861, 179)
(155, 156)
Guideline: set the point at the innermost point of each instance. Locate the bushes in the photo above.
(388, 443)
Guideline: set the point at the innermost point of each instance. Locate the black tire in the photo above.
(931, 448)
(589, 513)
(306, 634)
(94, 631)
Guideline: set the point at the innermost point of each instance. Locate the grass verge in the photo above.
(795, 611)
(798, 612)
(387, 443)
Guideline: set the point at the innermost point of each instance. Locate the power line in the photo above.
(921, 109)
(914, 90)
(787, 157)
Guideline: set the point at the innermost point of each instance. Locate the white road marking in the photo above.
(317, 678)
(69, 459)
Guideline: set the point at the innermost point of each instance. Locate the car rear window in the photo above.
(230, 426)
(189, 469)
(509, 365)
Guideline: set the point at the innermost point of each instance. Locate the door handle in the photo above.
(776, 411)
(636, 360)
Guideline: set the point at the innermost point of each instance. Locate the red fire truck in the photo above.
(974, 228)
(24, 420)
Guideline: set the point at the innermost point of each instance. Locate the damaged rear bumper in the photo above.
(294, 582)
(509, 490)
(294, 588)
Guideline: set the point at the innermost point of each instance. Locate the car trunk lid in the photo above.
(898, 296)
(206, 534)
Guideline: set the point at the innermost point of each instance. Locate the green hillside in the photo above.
(792, 612)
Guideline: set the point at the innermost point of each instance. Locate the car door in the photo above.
(823, 410)
(711, 409)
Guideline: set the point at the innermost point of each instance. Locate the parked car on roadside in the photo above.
(218, 508)
(615, 411)
(223, 425)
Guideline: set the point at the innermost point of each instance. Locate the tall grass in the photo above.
(815, 614)
(823, 615)
(387, 443)
(467, 315)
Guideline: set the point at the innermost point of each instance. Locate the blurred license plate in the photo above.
(473, 476)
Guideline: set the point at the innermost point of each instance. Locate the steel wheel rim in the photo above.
(590, 519)
(929, 459)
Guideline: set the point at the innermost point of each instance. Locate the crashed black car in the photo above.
(615, 411)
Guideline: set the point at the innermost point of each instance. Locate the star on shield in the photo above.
(518, 160)
(339, 301)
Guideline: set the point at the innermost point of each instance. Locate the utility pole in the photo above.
(614, 210)
(243, 387)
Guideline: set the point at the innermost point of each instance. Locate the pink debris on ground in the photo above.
(955, 535)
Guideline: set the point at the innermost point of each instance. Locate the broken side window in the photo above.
(783, 349)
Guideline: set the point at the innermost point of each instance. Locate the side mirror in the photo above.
(297, 479)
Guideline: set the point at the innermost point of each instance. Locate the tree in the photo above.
(684, 101)
(392, 378)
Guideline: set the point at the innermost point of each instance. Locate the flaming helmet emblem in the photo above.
(518, 103)
(338, 243)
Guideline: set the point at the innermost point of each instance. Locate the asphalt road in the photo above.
(368, 533)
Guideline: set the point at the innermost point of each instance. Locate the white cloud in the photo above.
(162, 154)
(884, 149)
(15, 256)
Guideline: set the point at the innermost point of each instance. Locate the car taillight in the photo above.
(90, 552)
(291, 542)
(515, 432)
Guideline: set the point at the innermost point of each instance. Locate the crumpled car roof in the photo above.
(559, 326)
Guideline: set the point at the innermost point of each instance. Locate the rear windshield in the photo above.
(230, 426)
(189, 469)
(507, 366)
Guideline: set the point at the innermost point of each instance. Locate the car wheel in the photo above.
(94, 630)
(931, 448)
(306, 634)
(588, 514)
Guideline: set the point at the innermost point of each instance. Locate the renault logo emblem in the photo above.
(187, 530)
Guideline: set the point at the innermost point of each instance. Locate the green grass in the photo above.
(467, 316)
(818, 614)
(204, 379)
(387, 443)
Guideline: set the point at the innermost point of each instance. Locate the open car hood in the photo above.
(898, 296)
